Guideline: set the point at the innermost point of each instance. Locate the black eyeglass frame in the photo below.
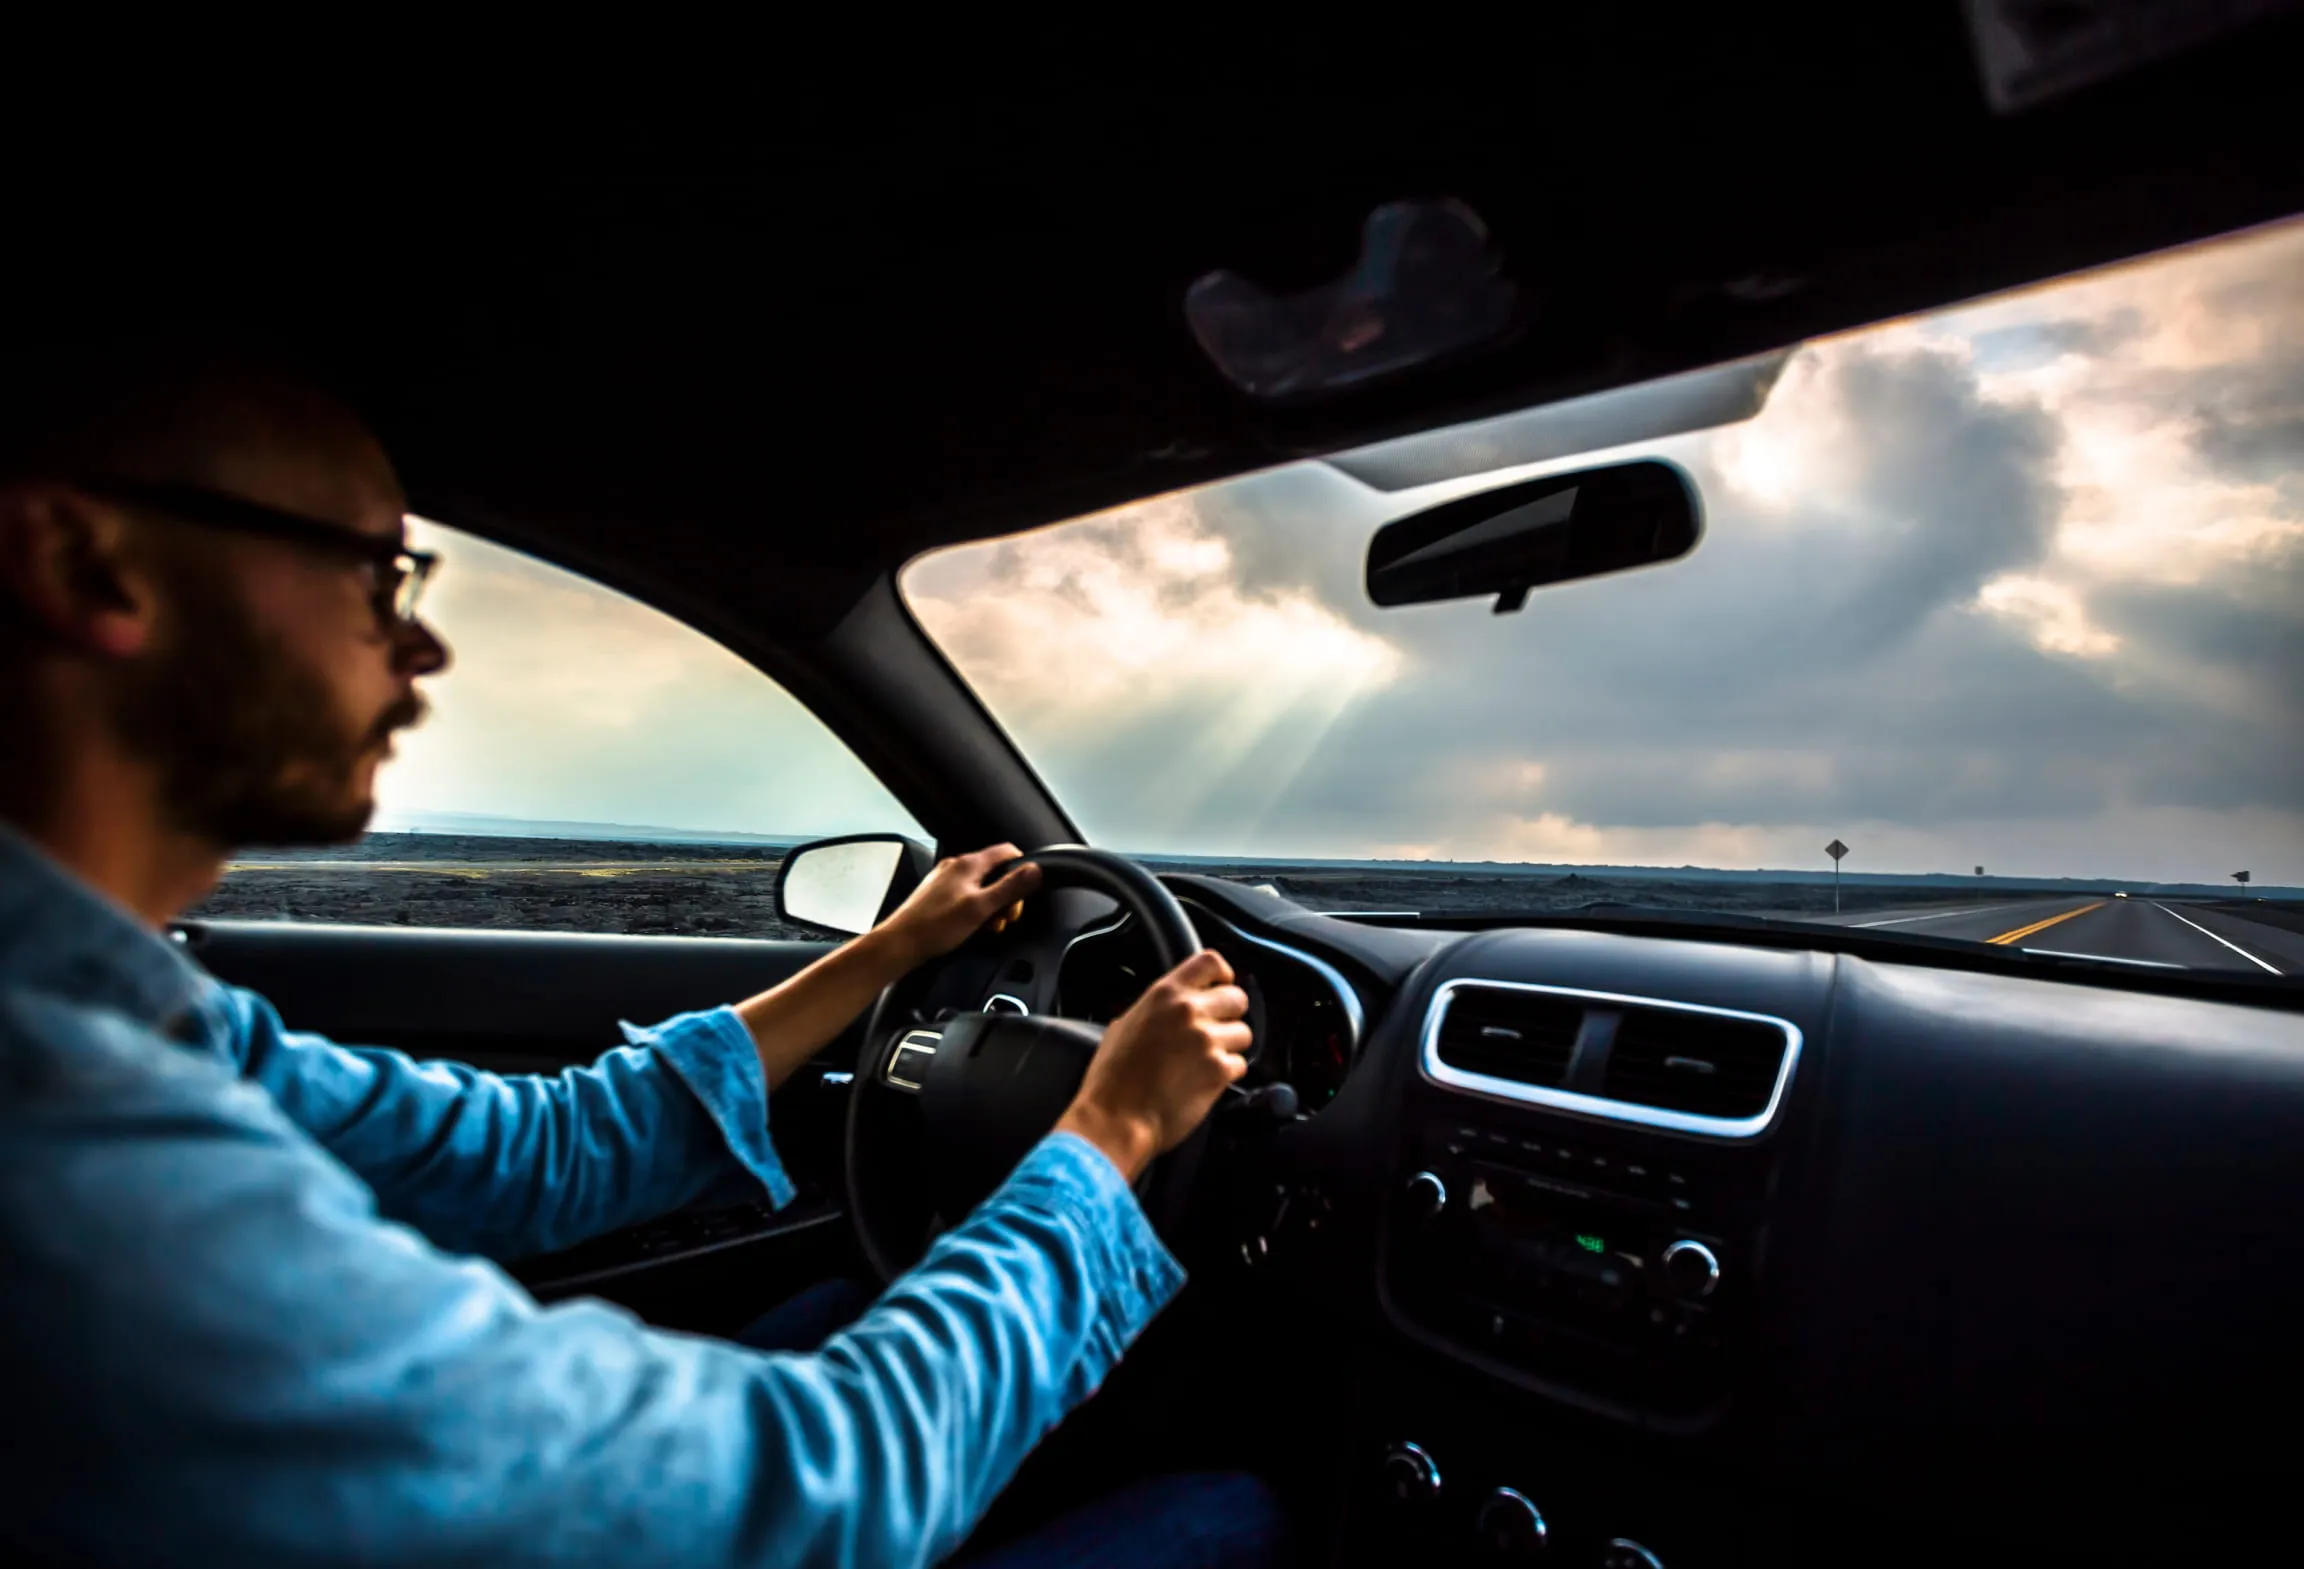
(401, 573)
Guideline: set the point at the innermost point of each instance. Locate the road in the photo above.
(2173, 933)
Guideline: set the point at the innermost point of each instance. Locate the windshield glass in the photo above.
(2007, 601)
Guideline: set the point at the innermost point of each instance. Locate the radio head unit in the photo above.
(1600, 1262)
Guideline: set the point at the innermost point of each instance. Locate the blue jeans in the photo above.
(1190, 1520)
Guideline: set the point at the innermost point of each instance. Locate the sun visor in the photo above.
(1672, 406)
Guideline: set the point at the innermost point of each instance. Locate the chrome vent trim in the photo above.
(1346, 998)
(1492, 1032)
(1597, 1107)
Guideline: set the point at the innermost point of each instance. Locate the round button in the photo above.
(1427, 1196)
(1691, 1269)
(1510, 1526)
(1410, 1475)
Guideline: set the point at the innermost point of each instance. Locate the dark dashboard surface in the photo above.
(2023, 1236)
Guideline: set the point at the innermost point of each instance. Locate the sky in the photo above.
(2018, 585)
(568, 702)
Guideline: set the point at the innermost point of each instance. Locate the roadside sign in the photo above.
(1979, 871)
(1835, 850)
(2240, 877)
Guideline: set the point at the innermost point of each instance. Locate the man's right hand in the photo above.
(1162, 1064)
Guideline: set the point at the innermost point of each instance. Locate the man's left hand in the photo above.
(956, 901)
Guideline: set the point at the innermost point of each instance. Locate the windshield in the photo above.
(2006, 602)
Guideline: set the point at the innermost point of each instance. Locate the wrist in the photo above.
(889, 950)
(1128, 1142)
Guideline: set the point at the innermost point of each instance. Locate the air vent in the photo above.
(1694, 1062)
(1521, 1036)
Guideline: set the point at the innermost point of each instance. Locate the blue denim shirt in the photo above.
(246, 1313)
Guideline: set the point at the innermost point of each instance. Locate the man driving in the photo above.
(247, 1314)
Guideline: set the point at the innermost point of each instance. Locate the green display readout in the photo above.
(1590, 1243)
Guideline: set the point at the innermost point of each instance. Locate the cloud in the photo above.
(2053, 616)
(2021, 583)
(2030, 345)
(1119, 644)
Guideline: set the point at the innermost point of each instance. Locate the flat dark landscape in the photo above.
(729, 890)
(552, 885)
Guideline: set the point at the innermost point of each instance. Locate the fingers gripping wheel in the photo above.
(982, 1089)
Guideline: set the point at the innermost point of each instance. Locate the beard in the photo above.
(250, 746)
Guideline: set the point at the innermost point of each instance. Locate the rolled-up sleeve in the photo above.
(507, 1164)
(232, 1358)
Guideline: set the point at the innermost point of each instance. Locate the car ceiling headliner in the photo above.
(747, 371)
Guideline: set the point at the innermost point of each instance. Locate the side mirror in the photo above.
(848, 884)
(1550, 530)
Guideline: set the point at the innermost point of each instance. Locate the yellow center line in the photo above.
(2022, 932)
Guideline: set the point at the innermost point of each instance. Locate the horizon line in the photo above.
(645, 832)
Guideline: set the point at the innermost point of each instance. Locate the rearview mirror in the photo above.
(1551, 530)
(849, 884)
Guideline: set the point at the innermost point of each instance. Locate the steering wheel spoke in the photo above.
(906, 1065)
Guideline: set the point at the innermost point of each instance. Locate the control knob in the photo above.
(1427, 1196)
(1510, 1526)
(1410, 1475)
(1691, 1269)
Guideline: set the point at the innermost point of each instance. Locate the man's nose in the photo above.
(419, 651)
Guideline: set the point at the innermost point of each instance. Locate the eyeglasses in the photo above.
(397, 574)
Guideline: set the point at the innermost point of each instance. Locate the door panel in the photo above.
(536, 1002)
(491, 998)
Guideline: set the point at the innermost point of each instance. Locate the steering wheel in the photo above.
(942, 1112)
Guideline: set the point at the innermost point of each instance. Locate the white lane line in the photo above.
(2104, 958)
(2205, 932)
(1933, 915)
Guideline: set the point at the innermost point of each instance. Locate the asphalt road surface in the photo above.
(2172, 933)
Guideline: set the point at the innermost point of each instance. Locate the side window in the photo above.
(588, 764)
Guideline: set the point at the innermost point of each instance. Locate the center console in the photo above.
(1605, 1268)
(1549, 1226)
(1580, 1206)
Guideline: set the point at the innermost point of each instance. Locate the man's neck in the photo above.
(99, 818)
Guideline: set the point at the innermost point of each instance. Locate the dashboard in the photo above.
(1729, 1250)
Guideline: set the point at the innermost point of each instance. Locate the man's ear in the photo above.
(71, 566)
